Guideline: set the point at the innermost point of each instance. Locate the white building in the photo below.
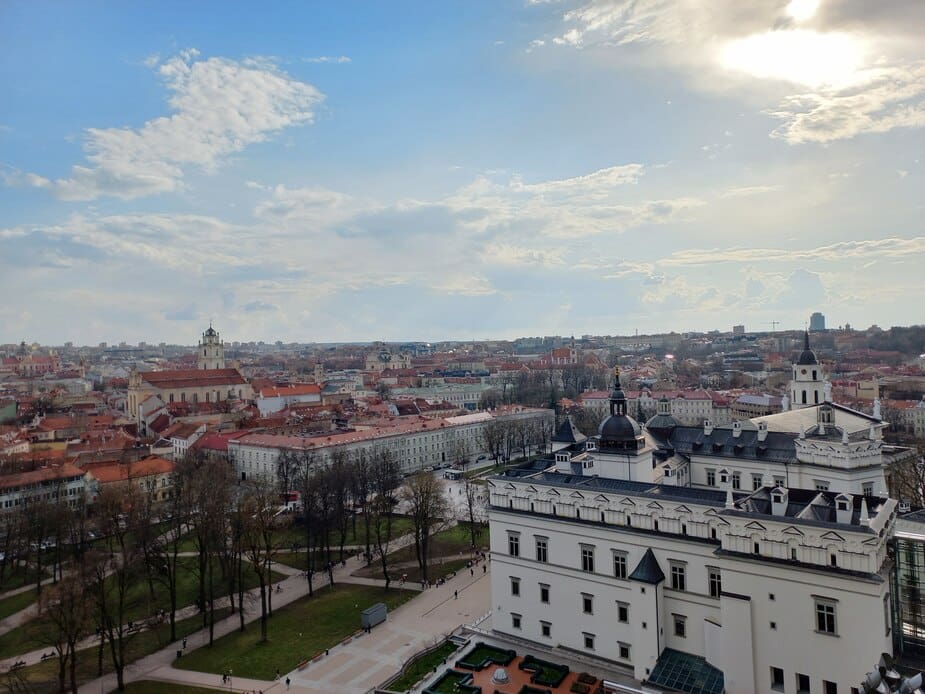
(755, 555)
(416, 442)
(278, 398)
(211, 350)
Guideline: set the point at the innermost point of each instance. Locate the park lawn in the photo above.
(22, 639)
(152, 687)
(16, 603)
(297, 632)
(437, 568)
(452, 541)
(44, 676)
(421, 667)
(17, 577)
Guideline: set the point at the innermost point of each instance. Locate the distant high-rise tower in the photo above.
(211, 350)
(817, 322)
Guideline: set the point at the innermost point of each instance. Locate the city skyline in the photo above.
(350, 173)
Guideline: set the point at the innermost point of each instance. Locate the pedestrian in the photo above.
(484, 569)
(184, 643)
(472, 572)
(287, 684)
(456, 595)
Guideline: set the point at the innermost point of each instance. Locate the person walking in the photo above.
(288, 682)
(456, 595)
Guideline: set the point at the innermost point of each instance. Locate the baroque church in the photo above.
(211, 382)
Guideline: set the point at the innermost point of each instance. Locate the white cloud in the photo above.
(340, 59)
(859, 71)
(219, 107)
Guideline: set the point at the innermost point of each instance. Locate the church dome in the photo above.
(619, 428)
(619, 431)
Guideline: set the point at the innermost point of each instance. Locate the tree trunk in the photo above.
(73, 649)
(263, 609)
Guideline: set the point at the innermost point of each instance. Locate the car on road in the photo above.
(482, 457)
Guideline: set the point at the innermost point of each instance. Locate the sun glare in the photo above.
(802, 10)
(800, 56)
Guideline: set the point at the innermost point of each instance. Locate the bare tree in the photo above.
(65, 617)
(907, 479)
(385, 479)
(475, 508)
(260, 541)
(427, 506)
(493, 435)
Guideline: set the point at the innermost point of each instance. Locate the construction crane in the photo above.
(774, 324)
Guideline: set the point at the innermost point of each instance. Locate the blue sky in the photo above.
(357, 171)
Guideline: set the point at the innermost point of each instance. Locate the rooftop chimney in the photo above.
(736, 429)
(762, 431)
(707, 427)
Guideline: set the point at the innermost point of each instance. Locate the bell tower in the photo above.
(807, 388)
(211, 350)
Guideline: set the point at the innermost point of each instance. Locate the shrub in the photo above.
(579, 688)
(585, 678)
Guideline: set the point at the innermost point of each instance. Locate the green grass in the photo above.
(297, 631)
(44, 676)
(420, 667)
(16, 603)
(452, 541)
(17, 577)
(475, 658)
(152, 687)
(451, 682)
(22, 639)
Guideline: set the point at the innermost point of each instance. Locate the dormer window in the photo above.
(777, 498)
(842, 505)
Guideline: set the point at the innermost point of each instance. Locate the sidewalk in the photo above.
(159, 665)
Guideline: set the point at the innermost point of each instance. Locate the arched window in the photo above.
(804, 397)
(816, 397)
(196, 398)
(208, 396)
(171, 397)
(182, 397)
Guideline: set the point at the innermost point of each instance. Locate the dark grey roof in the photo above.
(568, 433)
(778, 446)
(648, 570)
(708, 497)
(807, 356)
(619, 427)
(662, 424)
(809, 505)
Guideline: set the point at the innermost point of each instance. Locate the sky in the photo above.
(336, 171)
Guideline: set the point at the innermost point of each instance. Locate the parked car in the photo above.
(482, 457)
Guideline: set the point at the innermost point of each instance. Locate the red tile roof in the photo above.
(291, 389)
(41, 475)
(193, 378)
(109, 473)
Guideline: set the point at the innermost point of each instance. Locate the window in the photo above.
(711, 478)
(773, 626)
(829, 687)
(515, 586)
(886, 613)
(680, 626)
(589, 641)
(546, 629)
(679, 577)
(821, 485)
(619, 565)
(623, 612)
(542, 549)
(778, 481)
(544, 593)
(867, 489)
(715, 580)
(777, 679)
(624, 650)
(756, 481)
(513, 544)
(802, 683)
(756, 548)
(587, 559)
(515, 621)
(587, 603)
(736, 480)
(825, 616)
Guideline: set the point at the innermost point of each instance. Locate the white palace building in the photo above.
(751, 557)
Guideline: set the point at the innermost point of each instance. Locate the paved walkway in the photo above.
(423, 623)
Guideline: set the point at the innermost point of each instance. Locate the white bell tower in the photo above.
(211, 350)
(807, 388)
